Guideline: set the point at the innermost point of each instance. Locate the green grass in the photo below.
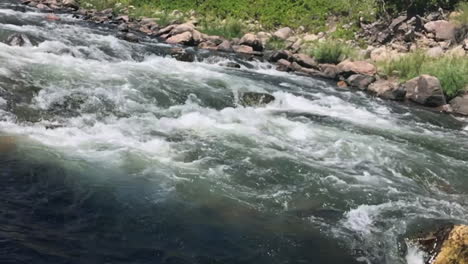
(451, 71)
(330, 51)
(275, 43)
(463, 17)
(228, 28)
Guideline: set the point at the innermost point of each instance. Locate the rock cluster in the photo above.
(393, 38)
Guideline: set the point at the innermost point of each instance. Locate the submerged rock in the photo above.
(182, 55)
(256, 99)
(18, 39)
(7, 144)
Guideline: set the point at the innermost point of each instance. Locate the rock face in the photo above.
(388, 90)
(256, 99)
(253, 41)
(425, 90)
(442, 29)
(460, 104)
(347, 68)
(18, 40)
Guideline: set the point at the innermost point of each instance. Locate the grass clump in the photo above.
(462, 17)
(331, 51)
(452, 71)
(275, 43)
(228, 28)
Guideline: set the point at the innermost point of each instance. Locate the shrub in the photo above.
(330, 51)
(450, 70)
(462, 18)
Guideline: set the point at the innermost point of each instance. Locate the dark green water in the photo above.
(112, 153)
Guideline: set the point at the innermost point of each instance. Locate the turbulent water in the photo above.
(111, 152)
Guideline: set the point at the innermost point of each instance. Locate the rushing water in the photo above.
(113, 153)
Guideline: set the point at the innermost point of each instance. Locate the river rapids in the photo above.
(112, 152)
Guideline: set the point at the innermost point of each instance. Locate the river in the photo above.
(112, 152)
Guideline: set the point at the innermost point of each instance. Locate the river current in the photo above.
(112, 152)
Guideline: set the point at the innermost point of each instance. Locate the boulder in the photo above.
(442, 29)
(460, 104)
(348, 68)
(185, 38)
(310, 37)
(243, 49)
(71, 4)
(448, 245)
(279, 55)
(18, 39)
(182, 28)
(386, 89)
(165, 30)
(181, 54)
(283, 33)
(253, 41)
(425, 90)
(360, 81)
(305, 61)
(329, 71)
(225, 46)
(458, 51)
(283, 65)
(256, 99)
(435, 52)
(208, 45)
(130, 37)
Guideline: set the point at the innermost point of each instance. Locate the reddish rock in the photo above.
(305, 61)
(356, 67)
(390, 90)
(442, 29)
(185, 38)
(460, 104)
(52, 17)
(225, 46)
(253, 41)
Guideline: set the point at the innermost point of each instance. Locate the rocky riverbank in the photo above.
(387, 39)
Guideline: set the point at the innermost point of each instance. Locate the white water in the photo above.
(383, 167)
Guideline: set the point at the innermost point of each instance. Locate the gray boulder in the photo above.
(460, 104)
(389, 90)
(425, 90)
(442, 29)
(360, 81)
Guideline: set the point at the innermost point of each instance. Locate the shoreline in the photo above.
(363, 74)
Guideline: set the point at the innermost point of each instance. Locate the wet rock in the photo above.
(253, 41)
(283, 33)
(442, 29)
(208, 45)
(283, 65)
(243, 49)
(123, 27)
(348, 68)
(305, 61)
(342, 84)
(52, 17)
(425, 90)
(181, 54)
(460, 104)
(18, 39)
(130, 37)
(7, 144)
(225, 46)
(256, 99)
(360, 81)
(279, 55)
(448, 245)
(231, 65)
(329, 71)
(386, 89)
